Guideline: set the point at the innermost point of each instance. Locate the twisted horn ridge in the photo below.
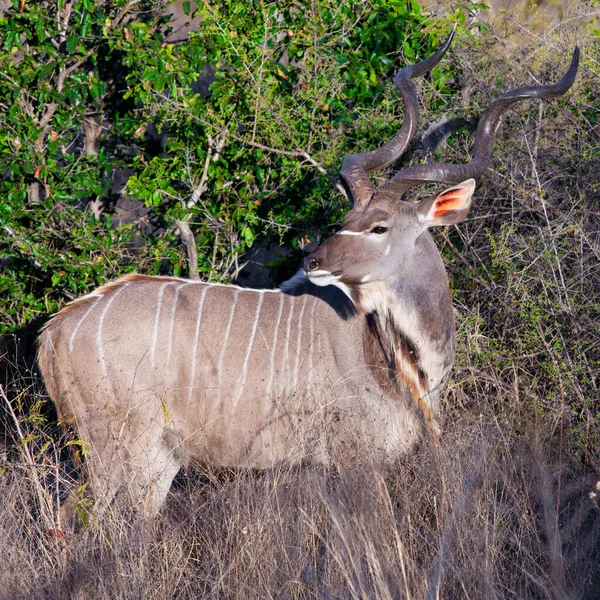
(356, 166)
(484, 140)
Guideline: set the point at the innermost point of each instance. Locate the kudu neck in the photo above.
(417, 294)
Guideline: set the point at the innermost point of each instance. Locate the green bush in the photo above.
(295, 89)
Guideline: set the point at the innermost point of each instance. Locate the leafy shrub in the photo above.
(93, 90)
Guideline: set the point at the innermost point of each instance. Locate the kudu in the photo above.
(343, 365)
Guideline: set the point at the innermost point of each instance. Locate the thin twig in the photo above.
(299, 154)
(45, 503)
(201, 187)
(541, 196)
(260, 76)
(123, 12)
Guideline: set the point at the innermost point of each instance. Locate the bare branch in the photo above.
(190, 245)
(63, 18)
(48, 114)
(123, 12)
(66, 72)
(50, 110)
(201, 187)
(221, 141)
(25, 105)
(92, 129)
(215, 148)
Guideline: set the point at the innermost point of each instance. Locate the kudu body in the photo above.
(345, 364)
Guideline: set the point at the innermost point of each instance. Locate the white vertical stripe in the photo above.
(172, 321)
(286, 352)
(100, 324)
(242, 381)
(222, 357)
(299, 343)
(273, 351)
(157, 320)
(196, 334)
(50, 350)
(319, 344)
(89, 310)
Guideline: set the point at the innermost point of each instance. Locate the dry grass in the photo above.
(489, 514)
(506, 507)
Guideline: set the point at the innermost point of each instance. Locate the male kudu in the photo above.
(344, 364)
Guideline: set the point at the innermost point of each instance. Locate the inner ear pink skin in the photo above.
(448, 202)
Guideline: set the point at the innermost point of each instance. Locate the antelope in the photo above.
(344, 364)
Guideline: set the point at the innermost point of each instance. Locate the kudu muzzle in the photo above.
(322, 265)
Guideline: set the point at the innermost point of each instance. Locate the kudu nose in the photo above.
(311, 264)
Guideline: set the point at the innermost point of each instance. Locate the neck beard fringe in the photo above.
(391, 353)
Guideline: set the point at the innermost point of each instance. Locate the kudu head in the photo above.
(382, 236)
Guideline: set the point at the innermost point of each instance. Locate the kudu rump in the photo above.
(345, 364)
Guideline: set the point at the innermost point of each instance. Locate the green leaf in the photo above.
(11, 38)
(248, 236)
(72, 42)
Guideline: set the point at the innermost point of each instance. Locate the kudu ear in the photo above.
(449, 207)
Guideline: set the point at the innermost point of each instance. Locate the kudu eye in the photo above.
(379, 229)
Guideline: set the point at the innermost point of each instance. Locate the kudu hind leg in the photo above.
(133, 462)
(106, 473)
(140, 482)
(101, 479)
(152, 473)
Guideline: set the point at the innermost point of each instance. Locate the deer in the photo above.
(343, 365)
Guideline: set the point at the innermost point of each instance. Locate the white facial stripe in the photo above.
(328, 279)
(323, 278)
(350, 233)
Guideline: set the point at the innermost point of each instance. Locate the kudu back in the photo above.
(344, 365)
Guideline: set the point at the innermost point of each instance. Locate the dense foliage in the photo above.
(236, 133)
